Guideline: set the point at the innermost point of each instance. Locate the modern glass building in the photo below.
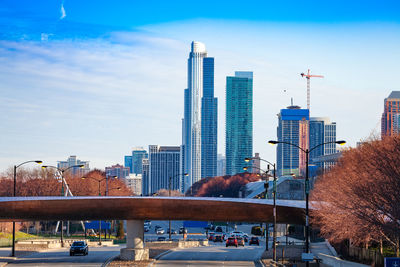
(322, 131)
(134, 162)
(200, 118)
(164, 162)
(209, 120)
(146, 190)
(239, 121)
(292, 128)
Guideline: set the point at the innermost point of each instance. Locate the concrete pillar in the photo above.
(134, 250)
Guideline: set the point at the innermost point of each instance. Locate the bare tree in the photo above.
(359, 198)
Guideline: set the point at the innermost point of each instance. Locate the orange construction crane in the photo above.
(308, 76)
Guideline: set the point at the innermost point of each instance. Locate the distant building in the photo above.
(164, 162)
(390, 117)
(146, 190)
(134, 182)
(292, 128)
(134, 161)
(117, 170)
(75, 171)
(128, 163)
(256, 166)
(322, 131)
(239, 121)
(221, 163)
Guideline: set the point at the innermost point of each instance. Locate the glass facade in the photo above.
(164, 162)
(389, 125)
(292, 128)
(199, 133)
(209, 120)
(322, 131)
(239, 121)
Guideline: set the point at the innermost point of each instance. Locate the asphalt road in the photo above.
(213, 255)
(60, 257)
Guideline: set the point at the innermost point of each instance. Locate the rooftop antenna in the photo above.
(291, 101)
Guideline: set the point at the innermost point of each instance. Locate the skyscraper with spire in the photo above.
(199, 125)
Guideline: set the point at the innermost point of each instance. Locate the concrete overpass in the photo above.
(137, 209)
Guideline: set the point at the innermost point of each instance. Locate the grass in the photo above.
(6, 238)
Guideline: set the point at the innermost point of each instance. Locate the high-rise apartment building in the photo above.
(239, 121)
(146, 190)
(391, 109)
(117, 170)
(200, 118)
(322, 131)
(164, 162)
(292, 128)
(75, 171)
(134, 183)
(134, 161)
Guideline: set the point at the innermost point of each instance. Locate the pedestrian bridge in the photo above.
(150, 208)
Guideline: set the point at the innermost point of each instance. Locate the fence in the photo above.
(364, 255)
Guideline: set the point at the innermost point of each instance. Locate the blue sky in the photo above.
(96, 78)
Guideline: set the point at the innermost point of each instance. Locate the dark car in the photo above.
(231, 241)
(211, 236)
(254, 240)
(161, 238)
(218, 238)
(79, 247)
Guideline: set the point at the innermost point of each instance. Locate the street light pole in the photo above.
(15, 194)
(307, 182)
(274, 208)
(61, 173)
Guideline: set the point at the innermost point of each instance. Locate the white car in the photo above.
(160, 231)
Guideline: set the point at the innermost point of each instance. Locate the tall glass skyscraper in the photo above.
(239, 121)
(292, 128)
(200, 118)
(209, 120)
(322, 131)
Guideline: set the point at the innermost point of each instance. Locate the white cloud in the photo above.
(98, 98)
(62, 11)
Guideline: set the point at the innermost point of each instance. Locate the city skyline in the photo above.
(60, 85)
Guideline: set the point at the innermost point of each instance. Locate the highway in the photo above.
(60, 257)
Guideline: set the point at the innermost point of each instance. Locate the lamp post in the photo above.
(61, 173)
(15, 194)
(99, 181)
(307, 182)
(274, 208)
(169, 194)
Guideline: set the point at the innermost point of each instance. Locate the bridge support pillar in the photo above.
(135, 250)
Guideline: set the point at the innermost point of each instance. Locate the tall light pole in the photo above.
(274, 196)
(61, 173)
(169, 194)
(99, 181)
(15, 194)
(307, 182)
